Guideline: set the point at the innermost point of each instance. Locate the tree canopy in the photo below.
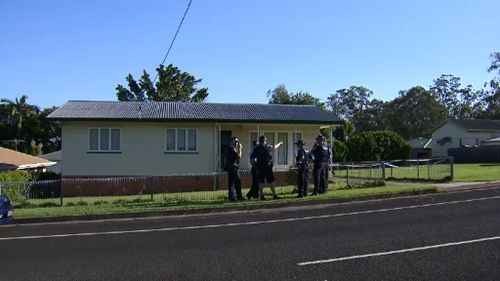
(172, 85)
(280, 95)
(492, 96)
(25, 127)
(460, 102)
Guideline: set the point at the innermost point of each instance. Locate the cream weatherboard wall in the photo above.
(244, 131)
(143, 147)
(142, 150)
(459, 137)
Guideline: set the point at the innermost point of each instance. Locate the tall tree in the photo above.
(415, 113)
(281, 95)
(460, 102)
(36, 131)
(19, 110)
(345, 103)
(172, 85)
(354, 104)
(492, 97)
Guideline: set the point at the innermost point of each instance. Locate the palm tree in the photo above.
(20, 108)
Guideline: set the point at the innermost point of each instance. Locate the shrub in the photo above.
(375, 146)
(15, 176)
(11, 183)
(339, 151)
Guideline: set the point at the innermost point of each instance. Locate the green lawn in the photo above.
(437, 172)
(131, 205)
(463, 172)
(476, 172)
(216, 199)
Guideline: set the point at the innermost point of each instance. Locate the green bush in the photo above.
(376, 146)
(8, 184)
(15, 176)
(340, 151)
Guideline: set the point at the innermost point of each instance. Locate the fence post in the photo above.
(347, 177)
(452, 167)
(418, 168)
(382, 167)
(149, 185)
(62, 193)
(429, 170)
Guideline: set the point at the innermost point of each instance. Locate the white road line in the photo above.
(234, 224)
(398, 251)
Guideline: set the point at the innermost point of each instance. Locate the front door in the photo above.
(225, 136)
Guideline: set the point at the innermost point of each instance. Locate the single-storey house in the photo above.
(15, 160)
(113, 138)
(462, 133)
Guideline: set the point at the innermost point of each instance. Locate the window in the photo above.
(281, 155)
(283, 150)
(296, 137)
(192, 140)
(104, 139)
(181, 140)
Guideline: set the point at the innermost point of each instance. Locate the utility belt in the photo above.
(302, 165)
(266, 165)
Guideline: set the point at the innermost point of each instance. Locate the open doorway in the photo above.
(225, 136)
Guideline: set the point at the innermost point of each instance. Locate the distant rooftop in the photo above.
(479, 125)
(14, 160)
(193, 111)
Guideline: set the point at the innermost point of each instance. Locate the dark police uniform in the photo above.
(264, 163)
(254, 189)
(233, 174)
(321, 154)
(302, 171)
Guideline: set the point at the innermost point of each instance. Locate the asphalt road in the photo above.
(452, 236)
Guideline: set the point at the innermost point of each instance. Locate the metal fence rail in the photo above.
(205, 187)
(435, 169)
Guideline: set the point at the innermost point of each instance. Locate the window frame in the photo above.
(291, 151)
(186, 141)
(110, 140)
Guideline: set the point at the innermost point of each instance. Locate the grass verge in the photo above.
(476, 172)
(162, 205)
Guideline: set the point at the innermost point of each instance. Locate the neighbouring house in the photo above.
(115, 139)
(56, 157)
(463, 134)
(420, 147)
(15, 160)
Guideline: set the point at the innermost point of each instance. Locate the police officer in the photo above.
(262, 158)
(233, 156)
(254, 189)
(302, 160)
(322, 156)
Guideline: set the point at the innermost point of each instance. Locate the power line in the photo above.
(175, 36)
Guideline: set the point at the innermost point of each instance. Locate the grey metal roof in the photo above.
(479, 125)
(191, 111)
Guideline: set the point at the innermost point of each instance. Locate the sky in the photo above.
(59, 50)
